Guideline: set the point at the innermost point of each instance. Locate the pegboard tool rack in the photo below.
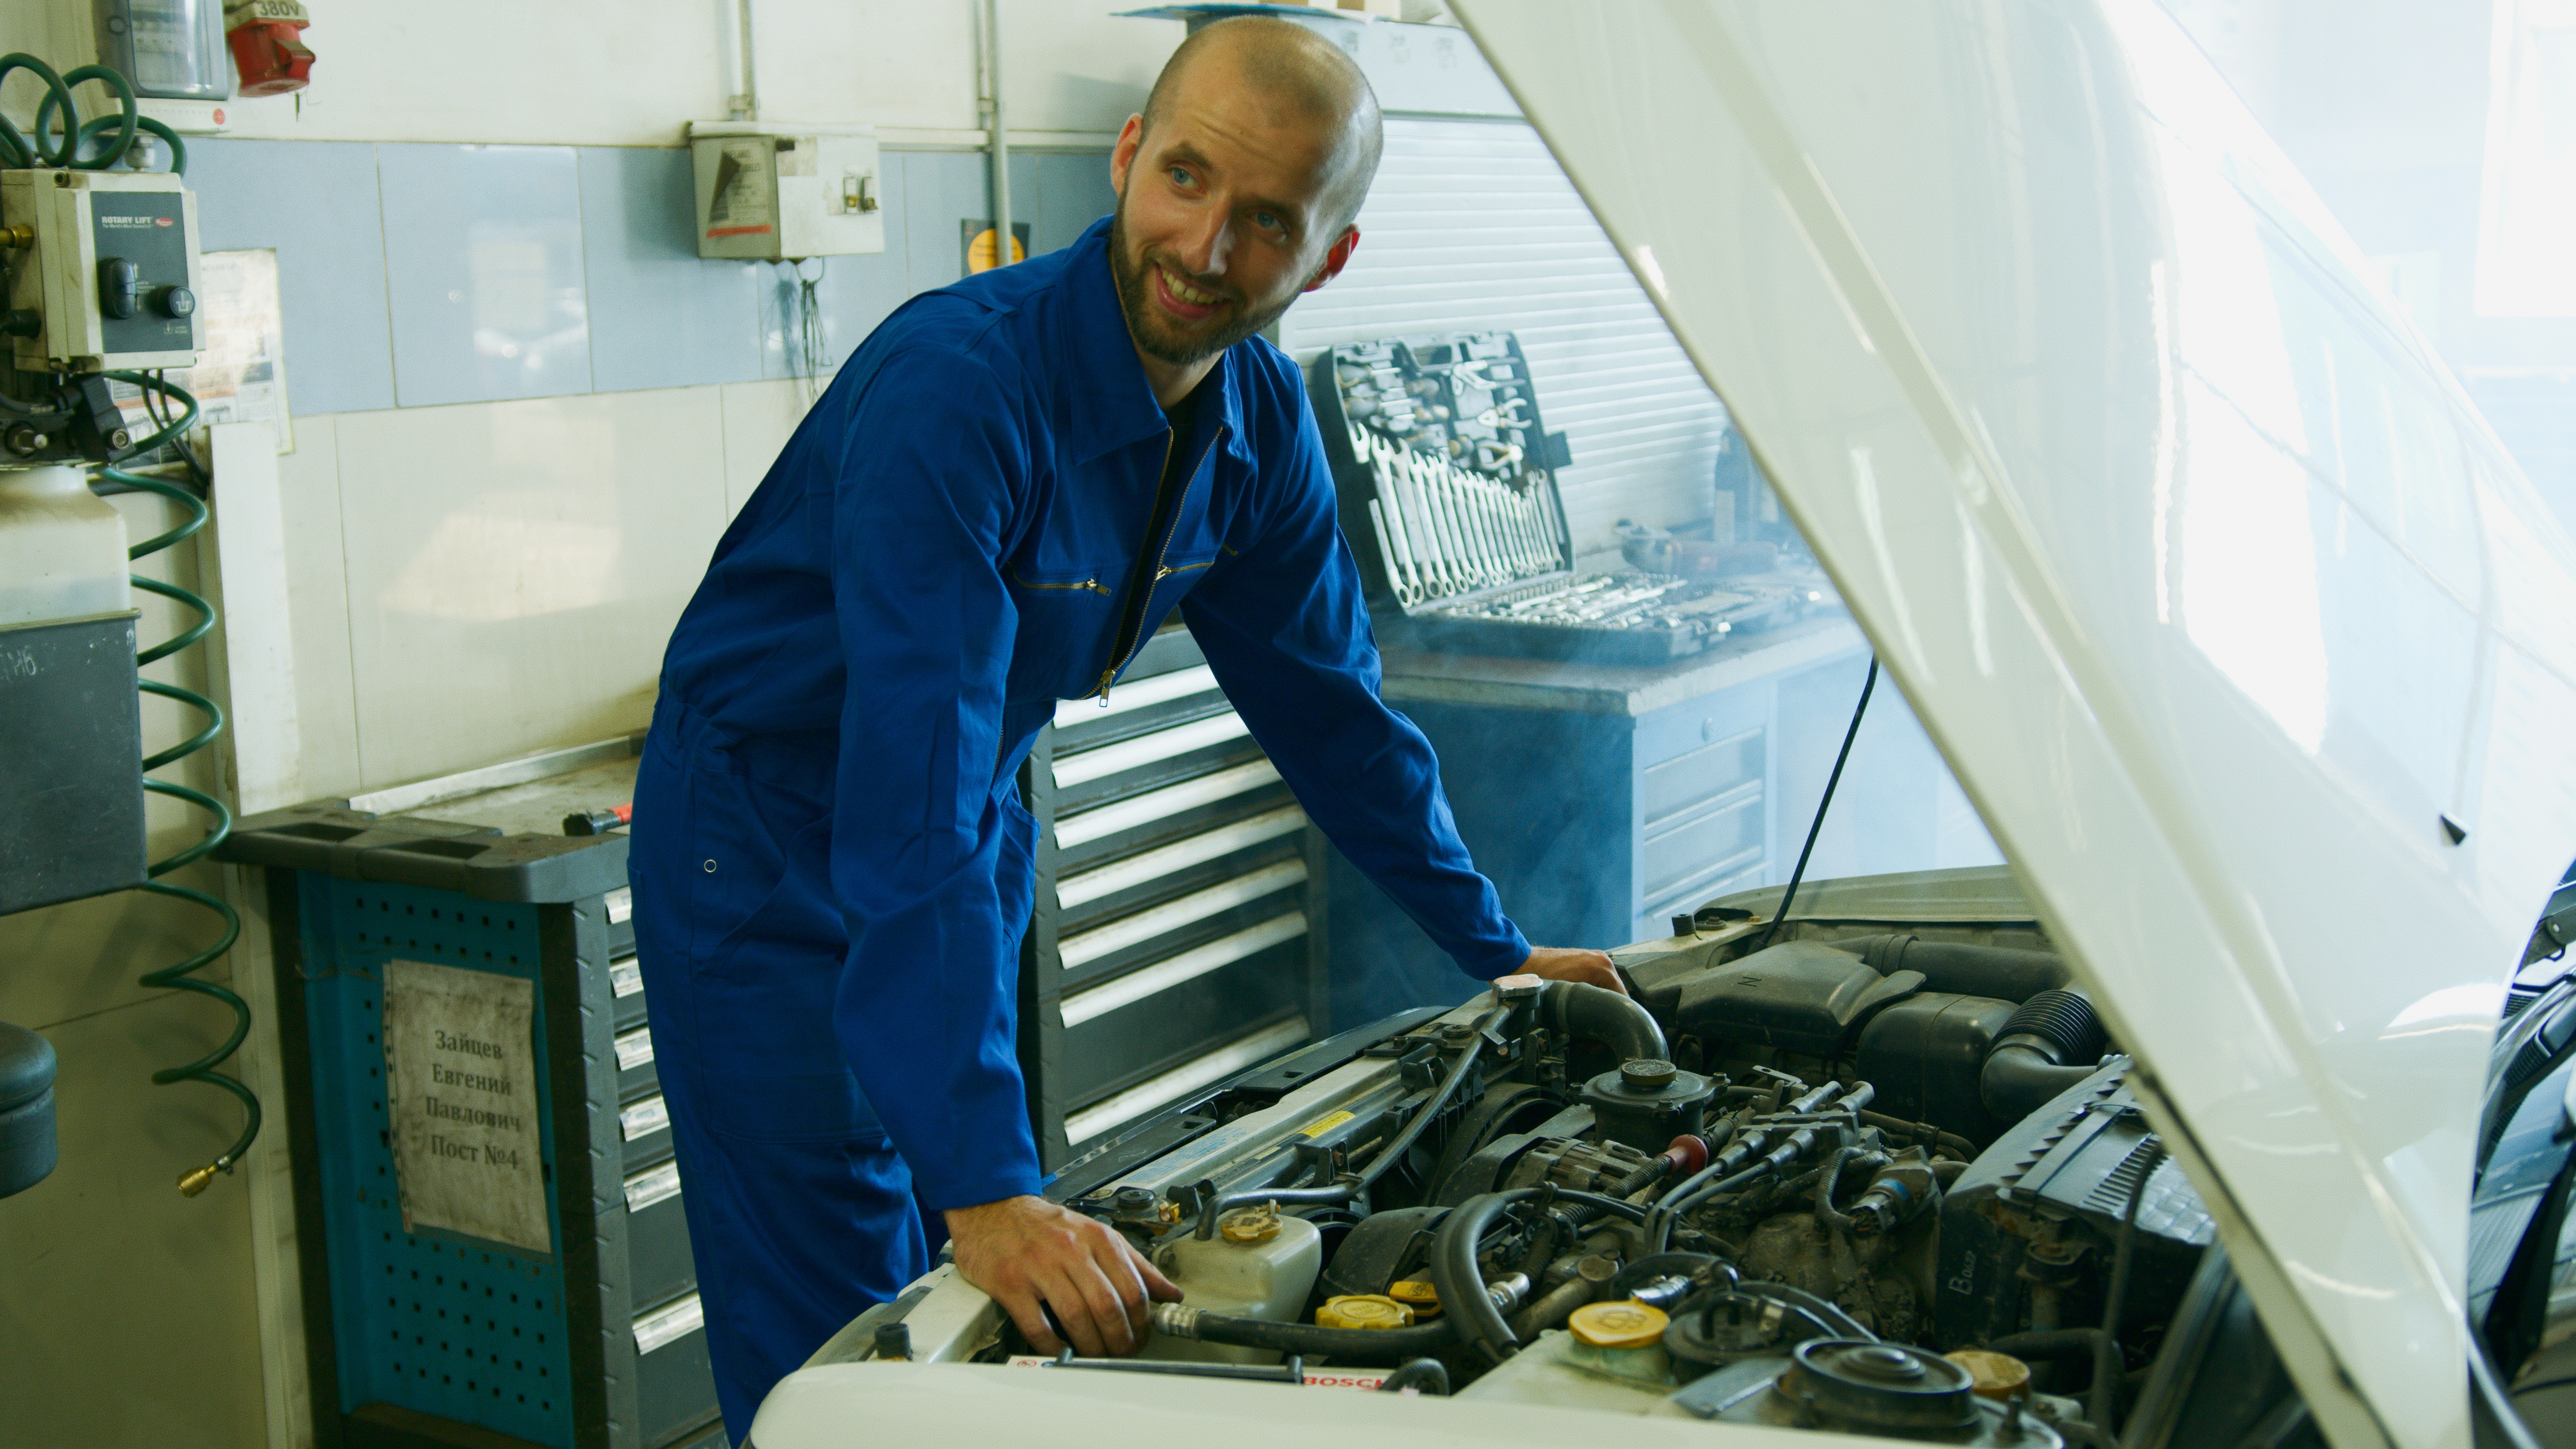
(425, 1338)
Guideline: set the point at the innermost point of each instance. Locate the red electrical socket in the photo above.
(268, 47)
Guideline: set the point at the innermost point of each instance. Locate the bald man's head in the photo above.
(1299, 73)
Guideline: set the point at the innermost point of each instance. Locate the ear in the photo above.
(1336, 257)
(1123, 155)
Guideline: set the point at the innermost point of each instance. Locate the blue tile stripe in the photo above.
(418, 275)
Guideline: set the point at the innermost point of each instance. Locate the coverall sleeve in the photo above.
(1286, 629)
(931, 462)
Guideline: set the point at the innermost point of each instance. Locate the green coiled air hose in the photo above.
(74, 148)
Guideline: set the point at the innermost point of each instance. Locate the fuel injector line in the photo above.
(1727, 1165)
(1461, 1283)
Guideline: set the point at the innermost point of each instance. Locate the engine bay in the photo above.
(1865, 1176)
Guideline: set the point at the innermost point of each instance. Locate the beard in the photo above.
(1154, 333)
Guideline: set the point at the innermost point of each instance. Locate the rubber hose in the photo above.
(2002, 973)
(1423, 1375)
(2048, 1343)
(181, 975)
(1461, 1284)
(1658, 1265)
(2054, 1041)
(1459, 1071)
(1602, 1015)
(1340, 1343)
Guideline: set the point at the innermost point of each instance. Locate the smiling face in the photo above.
(1233, 202)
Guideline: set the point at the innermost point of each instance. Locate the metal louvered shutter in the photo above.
(1472, 226)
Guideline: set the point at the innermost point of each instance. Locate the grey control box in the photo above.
(103, 270)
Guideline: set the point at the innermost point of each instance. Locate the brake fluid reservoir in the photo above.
(1261, 1264)
(62, 549)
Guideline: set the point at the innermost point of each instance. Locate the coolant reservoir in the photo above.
(62, 549)
(1261, 1264)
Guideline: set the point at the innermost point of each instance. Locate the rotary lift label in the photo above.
(460, 1071)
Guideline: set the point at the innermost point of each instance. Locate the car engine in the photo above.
(1851, 1177)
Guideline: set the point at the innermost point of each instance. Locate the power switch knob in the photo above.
(120, 287)
(177, 302)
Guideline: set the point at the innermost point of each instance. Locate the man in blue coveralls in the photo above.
(1010, 484)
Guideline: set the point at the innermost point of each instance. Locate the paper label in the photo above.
(460, 1069)
(1324, 1124)
(743, 202)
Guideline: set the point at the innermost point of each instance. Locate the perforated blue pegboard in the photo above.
(433, 1322)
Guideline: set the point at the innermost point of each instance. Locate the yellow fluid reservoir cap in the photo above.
(1363, 1310)
(1626, 1324)
(1418, 1295)
(1251, 1225)
(1993, 1375)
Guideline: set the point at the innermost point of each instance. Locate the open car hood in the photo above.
(2248, 640)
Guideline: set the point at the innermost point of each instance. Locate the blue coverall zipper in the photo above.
(1140, 583)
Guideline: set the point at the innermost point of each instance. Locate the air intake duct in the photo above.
(2053, 1042)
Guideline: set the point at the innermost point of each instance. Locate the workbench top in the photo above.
(1576, 687)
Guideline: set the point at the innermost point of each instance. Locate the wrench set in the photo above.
(1448, 493)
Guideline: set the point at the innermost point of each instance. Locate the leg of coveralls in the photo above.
(800, 1216)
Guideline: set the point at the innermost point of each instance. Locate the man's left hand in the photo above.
(1564, 963)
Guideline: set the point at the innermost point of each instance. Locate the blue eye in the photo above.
(1269, 221)
(1180, 175)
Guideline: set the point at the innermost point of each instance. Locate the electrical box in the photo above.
(775, 192)
(167, 48)
(103, 270)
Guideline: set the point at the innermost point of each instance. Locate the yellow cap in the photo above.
(1363, 1310)
(1251, 1225)
(1994, 1375)
(1417, 1294)
(1627, 1324)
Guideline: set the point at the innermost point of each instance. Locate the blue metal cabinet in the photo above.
(1600, 799)
(423, 1337)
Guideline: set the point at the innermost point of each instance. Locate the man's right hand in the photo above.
(1025, 1252)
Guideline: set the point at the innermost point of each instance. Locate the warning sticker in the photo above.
(1324, 1124)
(461, 1083)
(742, 202)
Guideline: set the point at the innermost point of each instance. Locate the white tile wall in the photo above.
(317, 601)
(514, 569)
(758, 417)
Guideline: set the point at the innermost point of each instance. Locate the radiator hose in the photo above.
(1601, 1015)
(2053, 1042)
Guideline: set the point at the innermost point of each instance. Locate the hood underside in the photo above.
(2248, 641)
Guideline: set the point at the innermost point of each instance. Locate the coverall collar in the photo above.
(1115, 404)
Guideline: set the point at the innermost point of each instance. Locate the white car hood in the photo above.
(2213, 589)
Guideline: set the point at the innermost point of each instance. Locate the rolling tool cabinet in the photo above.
(1179, 931)
(475, 972)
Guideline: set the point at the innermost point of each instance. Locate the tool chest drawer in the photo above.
(1179, 920)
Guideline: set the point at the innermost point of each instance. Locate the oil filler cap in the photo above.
(1417, 1294)
(1645, 1074)
(1363, 1310)
(1993, 1375)
(1627, 1324)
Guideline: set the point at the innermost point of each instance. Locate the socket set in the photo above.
(1447, 484)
